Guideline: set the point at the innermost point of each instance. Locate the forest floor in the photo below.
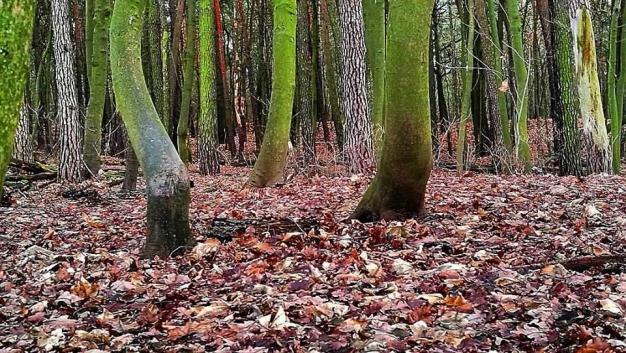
(485, 271)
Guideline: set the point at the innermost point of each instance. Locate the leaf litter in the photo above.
(485, 271)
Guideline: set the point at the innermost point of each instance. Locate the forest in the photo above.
(312, 176)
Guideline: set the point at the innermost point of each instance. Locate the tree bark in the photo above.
(70, 160)
(23, 147)
(399, 188)
(268, 169)
(358, 149)
(207, 122)
(167, 180)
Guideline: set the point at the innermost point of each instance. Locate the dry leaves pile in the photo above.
(478, 274)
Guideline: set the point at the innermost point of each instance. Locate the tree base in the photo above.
(168, 215)
(380, 203)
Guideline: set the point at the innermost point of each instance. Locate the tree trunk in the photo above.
(132, 169)
(594, 126)
(167, 180)
(182, 131)
(268, 169)
(621, 80)
(70, 161)
(498, 148)
(498, 54)
(304, 87)
(466, 95)
(329, 53)
(207, 122)
(399, 188)
(521, 82)
(374, 18)
(17, 33)
(98, 68)
(23, 147)
(229, 109)
(614, 115)
(358, 149)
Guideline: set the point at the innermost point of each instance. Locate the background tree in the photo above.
(98, 72)
(358, 148)
(521, 84)
(399, 188)
(207, 122)
(16, 21)
(182, 131)
(268, 169)
(594, 126)
(68, 112)
(374, 16)
(167, 180)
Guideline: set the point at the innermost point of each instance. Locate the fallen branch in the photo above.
(583, 263)
(28, 166)
(31, 177)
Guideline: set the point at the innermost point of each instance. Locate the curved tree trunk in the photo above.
(182, 132)
(70, 161)
(358, 149)
(207, 122)
(16, 21)
(399, 187)
(167, 180)
(268, 169)
(98, 71)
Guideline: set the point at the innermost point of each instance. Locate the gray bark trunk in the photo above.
(358, 148)
(70, 160)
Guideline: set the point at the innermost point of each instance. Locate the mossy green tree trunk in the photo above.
(182, 132)
(16, 27)
(594, 126)
(466, 91)
(521, 82)
(374, 18)
(564, 103)
(167, 180)
(621, 81)
(207, 122)
(399, 188)
(268, 169)
(614, 115)
(97, 71)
